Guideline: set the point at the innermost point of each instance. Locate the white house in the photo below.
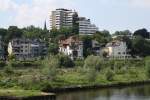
(72, 47)
(117, 50)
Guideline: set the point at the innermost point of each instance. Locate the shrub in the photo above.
(2, 63)
(30, 63)
(109, 75)
(16, 64)
(50, 65)
(147, 65)
(65, 61)
(8, 69)
(93, 62)
(91, 75)
(79, 63)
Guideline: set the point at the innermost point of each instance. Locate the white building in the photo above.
(62, 18)
(117, 50)
(72, 47)
(85, 26)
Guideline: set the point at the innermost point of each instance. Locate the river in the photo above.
(126, 93)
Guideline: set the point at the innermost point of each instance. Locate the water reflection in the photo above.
(130, 93)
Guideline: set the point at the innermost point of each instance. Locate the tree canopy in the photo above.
(142, 32)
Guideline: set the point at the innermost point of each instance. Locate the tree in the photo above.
(65, 61)
(54, 32)
(87, 45)
(14, 32)
(147, 65)
(92, 65)
(33, 32)
(102, 37)
(93, 62)
(8, 69)
(53, 48)
(3, 32)
(140, 47)
(50, 65)
(66, 31)
(142, 32)
(128, 41)
(109, 75)
(123, 33)
(62, 31)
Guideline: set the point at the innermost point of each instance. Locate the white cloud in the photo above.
(32, 14)
(132, 3)
(7, 5)
(140, 3)
(35, 13)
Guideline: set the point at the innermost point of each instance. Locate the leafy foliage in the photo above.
(65, 61)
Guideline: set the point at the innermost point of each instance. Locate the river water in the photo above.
(126, 93)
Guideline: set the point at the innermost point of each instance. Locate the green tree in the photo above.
(87, 45)
(50, 65)
(9, 69)
(147, 65)
(140, 47)
(13, 32)
(54, 32)
(65, 61)
(102, 37)
(32, 32)
(3, 32)
(142, 32)
(109, 75)
(92, 65)
(122, 33)
(53, 48)
(93, 62)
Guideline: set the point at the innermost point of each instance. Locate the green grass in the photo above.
(19, 93)
(25, 78)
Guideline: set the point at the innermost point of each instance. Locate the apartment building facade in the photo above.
(70, 19)
(63, 18)
(27, 49)
(86, 27)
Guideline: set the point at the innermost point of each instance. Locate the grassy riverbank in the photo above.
(48, 75)
(19, 93)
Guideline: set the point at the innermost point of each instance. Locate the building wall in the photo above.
(62, 18)
(69, 51)
(118, 51)
(85, 26)
(26, 49)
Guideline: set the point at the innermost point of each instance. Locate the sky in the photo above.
(112, 15)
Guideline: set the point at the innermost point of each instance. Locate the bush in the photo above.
(79, 63)
(147, 65)
(8, 69)
(109, 75)
(65, 61)
(91, 75)
(2, 63)
(93, 62)
(16, 64)
(30, 64)
(50, 65)
(53, 48)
